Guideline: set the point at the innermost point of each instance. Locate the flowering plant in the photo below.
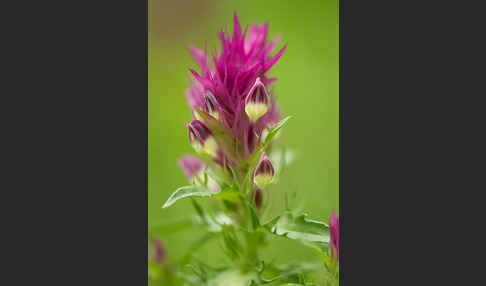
(235, 126)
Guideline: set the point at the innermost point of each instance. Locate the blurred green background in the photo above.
(307, 89)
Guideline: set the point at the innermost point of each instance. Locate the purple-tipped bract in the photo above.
(220, 89)
(197, 130)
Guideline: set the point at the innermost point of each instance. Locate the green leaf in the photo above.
(215, 223)
(318, 248)
(286, 274)
(198, 208)
(234, 178)
(299, 228)
(232, 277)
(254, 217)
(187, 191)
(233, 247)
(230, 195)
(274, 131)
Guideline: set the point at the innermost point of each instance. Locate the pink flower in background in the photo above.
(157, 253)
(334, 229)
(190, 166)
(194, 171)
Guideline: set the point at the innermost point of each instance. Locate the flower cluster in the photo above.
(235, 95)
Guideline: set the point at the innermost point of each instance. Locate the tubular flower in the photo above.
(201, 138)
(256, 102)
(235, 90)
(264, 172)
(334, 229)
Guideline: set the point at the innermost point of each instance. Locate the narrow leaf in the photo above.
(254, 217)
(198, 208)
(187, 191)
(274, 131)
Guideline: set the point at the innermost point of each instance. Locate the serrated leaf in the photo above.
(286, 273)
(187, 191)
(299, 228)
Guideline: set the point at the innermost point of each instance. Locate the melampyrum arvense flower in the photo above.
(201, 138)
(264, 172)
(257, 101)
(236, 92)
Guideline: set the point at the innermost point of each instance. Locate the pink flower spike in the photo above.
(232, 85)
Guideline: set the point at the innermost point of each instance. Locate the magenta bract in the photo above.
(223, 85)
